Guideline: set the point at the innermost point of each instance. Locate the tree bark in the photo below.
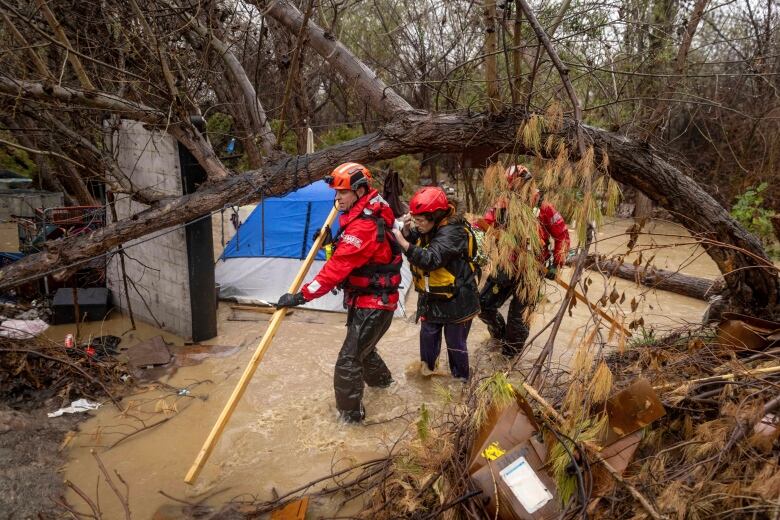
(643, 206)
(661, 279)
(491, 47)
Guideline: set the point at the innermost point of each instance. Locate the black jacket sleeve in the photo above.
(448, 242)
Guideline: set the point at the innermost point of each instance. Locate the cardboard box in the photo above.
(507, 428)
(513, 430)
(490, 481)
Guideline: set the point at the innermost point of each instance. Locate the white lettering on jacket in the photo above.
(352, 239)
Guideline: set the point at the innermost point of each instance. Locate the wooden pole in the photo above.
(76, 310)
(593, 306)
(722, 377)
(270, 332)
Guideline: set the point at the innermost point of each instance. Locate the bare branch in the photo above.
(43, 70)
(563, 70)
(162, 54)
(236, 72)
(41, 152)
(63, 38)
(193, 140)
(379, 96)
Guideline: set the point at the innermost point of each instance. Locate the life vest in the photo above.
(442, 283)
(372, 278)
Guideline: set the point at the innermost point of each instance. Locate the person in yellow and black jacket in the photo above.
(441, 250)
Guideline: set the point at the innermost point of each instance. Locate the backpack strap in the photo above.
(472, 254)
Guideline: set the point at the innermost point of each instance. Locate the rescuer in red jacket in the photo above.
(366, 264)
(500, 286)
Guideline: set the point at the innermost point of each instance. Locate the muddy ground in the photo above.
(31, 460)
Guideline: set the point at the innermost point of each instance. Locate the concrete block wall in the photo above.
(157, 263)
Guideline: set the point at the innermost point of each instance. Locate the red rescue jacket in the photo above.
(551, 226)
(359, 251)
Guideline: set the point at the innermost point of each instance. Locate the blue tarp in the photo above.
(282, 227)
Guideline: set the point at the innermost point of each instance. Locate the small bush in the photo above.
(749, 211)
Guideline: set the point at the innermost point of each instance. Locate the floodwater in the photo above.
(284, 433)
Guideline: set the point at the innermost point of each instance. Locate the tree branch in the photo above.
(63, 39)
(258, 117)
(162, 55)
(563, 70)
(41, 152)
(379, 96)
(194, 141)
(43, 70)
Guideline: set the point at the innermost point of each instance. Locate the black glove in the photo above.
(551, 272)
(327, 239)
(290, 300)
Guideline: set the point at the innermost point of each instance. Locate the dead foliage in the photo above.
(715, 454)
(34, 371)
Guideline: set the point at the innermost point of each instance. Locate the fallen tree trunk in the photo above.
(662, 279)
(750, 277)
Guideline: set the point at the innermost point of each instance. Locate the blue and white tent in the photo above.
(262, 259)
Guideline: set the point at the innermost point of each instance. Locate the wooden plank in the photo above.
(270, 332)
(293, 511)
(260, 309)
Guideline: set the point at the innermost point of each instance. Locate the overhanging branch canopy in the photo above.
(738, 254)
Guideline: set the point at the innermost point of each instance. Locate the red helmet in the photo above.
(348, 176)
(428, 200)
(517, 171)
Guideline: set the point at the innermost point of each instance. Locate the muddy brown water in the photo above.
(284, 432)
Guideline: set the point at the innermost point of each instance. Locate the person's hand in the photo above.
(327, 239)
(399, 236)
(551, 273)
(290, 300)
(406, 220)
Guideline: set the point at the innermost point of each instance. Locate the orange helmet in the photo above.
(348, 176)
(517, 171)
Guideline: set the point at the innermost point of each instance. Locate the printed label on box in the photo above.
(526, 486)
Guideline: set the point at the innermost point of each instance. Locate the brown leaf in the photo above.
(613, 296)
(634, 304)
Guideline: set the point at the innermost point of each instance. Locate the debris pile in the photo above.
(685, 426)
(716, 452)
(34, 371)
